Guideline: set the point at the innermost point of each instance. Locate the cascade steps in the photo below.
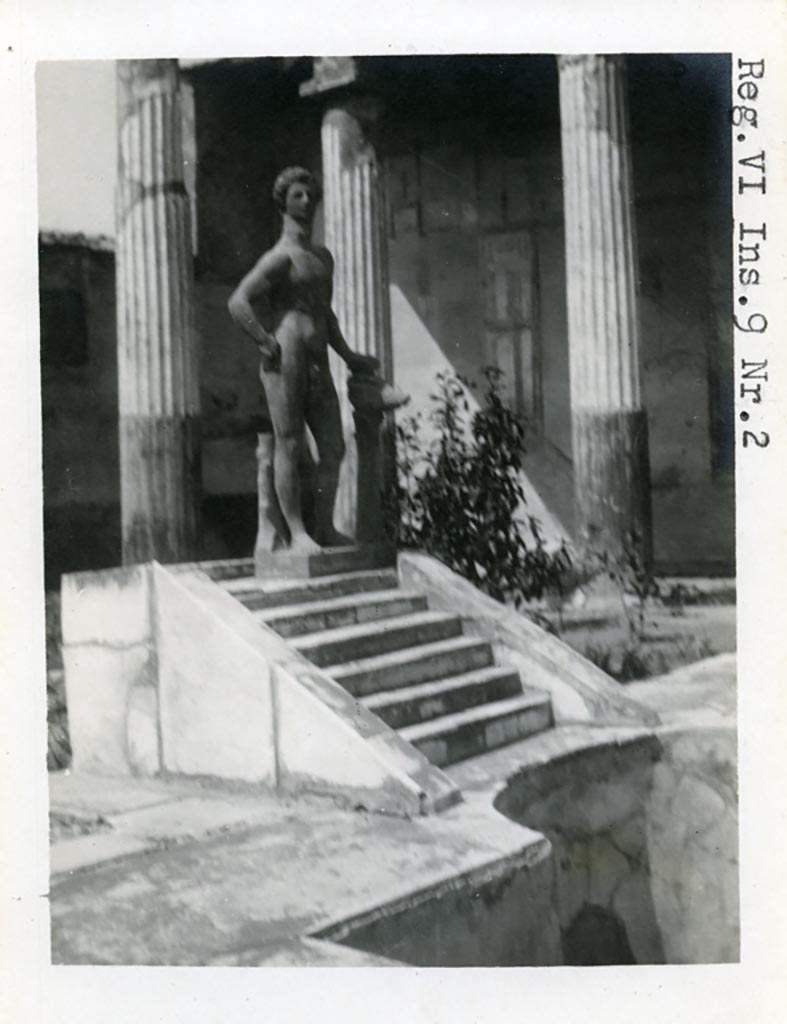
(348, 610)
(412, 666)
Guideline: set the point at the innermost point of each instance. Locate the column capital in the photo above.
(139, 80)
(345, 82)
(589, 60)
(329, 74)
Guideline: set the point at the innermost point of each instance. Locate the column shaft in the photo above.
(157, 359)
(354, 233)
(609, 425)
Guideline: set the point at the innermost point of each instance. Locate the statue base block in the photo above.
(327, 562)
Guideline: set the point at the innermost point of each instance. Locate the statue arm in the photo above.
(356, 362)
(256, 285)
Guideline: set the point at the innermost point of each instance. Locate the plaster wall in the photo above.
(692, 836)
(590, 805)
(108, 658)
(507, 920)
(81, 476)
(645, 846)
(436, 267)
(215, 696)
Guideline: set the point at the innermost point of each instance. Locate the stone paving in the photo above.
(191, 875)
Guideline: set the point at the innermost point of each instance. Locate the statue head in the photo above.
(296, 176)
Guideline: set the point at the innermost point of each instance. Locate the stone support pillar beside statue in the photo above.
(371, 399)
(609, 424)
(355, 234)
(157, 357)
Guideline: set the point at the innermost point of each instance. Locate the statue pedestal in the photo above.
(326, 562)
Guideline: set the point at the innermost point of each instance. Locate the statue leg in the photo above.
(285, 391)
(272, 531)
(324, 419)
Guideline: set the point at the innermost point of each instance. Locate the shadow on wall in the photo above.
(596, 937)
(417, 376)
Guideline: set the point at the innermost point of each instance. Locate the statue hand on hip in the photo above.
(270, 355)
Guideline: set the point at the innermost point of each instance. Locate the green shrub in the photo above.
(460, 497)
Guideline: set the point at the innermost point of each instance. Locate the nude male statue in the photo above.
(293, 285)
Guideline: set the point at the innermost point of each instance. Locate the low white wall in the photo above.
(166, 672)
(215, 691)
(110, 669)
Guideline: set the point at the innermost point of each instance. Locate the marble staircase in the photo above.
(412, 666)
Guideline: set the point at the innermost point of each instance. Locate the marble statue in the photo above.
(284, 305)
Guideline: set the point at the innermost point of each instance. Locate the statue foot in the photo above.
(302, 544)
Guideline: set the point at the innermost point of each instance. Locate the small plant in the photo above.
(461, 499)
(601, 655)
(632, 576)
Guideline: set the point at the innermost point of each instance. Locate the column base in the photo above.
(160, 485)
(612, 481)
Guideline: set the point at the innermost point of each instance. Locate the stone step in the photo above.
(412, 704)
(297, 619)
(476, 730)
(257, 594)
(413, 665)
(218, 570)
(327, 562)
(349, 643)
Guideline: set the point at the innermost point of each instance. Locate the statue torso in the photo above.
(305, 287)
(300, 299)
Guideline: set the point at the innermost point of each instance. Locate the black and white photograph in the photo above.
(400, 418)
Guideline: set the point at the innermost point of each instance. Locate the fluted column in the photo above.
(609, 424)
(157, 358)
(354, 233)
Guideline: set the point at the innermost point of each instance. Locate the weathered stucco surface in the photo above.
(591, 803)
(215, 876)
(108, 654)
(166, 672)
(693, 812)
(643, 823)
